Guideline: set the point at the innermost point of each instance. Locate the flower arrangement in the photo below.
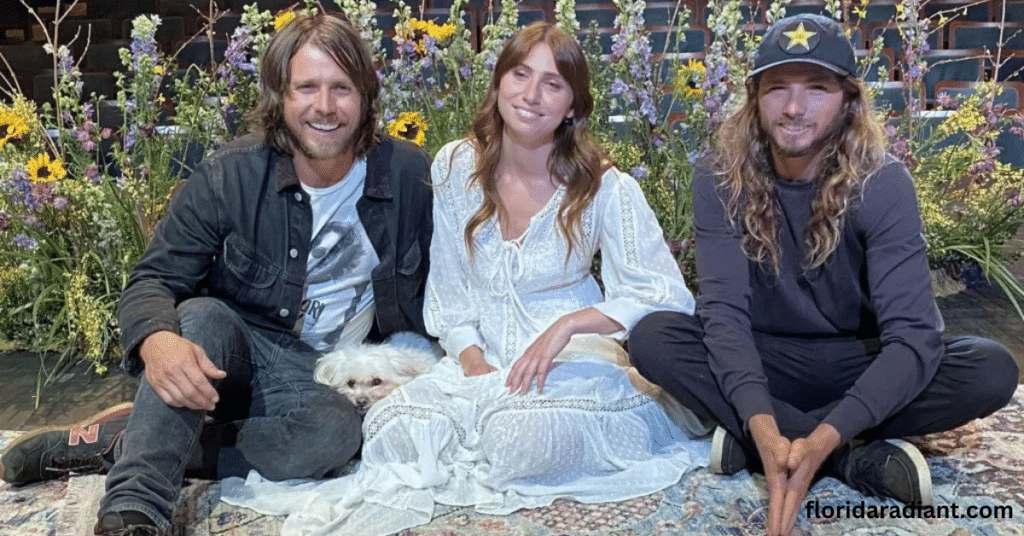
(80, 194)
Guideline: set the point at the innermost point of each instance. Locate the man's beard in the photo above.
(828, 136)
(315, 151)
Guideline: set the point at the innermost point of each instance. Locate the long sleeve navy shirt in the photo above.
(876, 285)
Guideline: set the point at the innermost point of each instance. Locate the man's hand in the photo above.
(774, 450)
(179, 371)
(789, 468)
(473, 362)
(539, 357)
(806, 455)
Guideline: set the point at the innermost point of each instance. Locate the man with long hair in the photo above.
(817, 342)
(311, 233)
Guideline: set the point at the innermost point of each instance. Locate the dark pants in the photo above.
(272, 417)
(807, 378)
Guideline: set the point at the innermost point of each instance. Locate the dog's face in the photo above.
(365, 387)
(367, 373)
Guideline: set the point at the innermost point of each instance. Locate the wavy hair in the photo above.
(854, 151)
(345, 46)
(576, 161)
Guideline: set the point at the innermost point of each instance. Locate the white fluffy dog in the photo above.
(366, 373)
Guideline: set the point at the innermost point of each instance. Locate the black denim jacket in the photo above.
(240, 229)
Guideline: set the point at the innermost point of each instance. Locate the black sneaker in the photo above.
(727, 457)
(126, 523)
(54, 451)
(887, 468)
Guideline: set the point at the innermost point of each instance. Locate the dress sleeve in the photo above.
(450, 312)
(723, 273)
(639, 273)
(899, 286)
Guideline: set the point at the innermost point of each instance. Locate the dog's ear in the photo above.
(328, 370)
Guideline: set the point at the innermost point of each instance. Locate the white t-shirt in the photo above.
(341, 257)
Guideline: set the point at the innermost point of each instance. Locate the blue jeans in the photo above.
(273, 418)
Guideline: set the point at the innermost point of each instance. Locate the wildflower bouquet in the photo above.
(970, 201)
(83, 183)
(80, 193)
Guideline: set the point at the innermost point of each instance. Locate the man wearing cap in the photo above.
(817, 342)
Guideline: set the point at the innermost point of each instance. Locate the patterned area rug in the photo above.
(980, 465)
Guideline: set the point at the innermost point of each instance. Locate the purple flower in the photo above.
(430, 44)
(945, 100)
(25, 242)
(129, 139)
(89, 146)
(639, 172)
(105, 133)
(144, 48)
(92, 172)
(60, 202)
(619, 87)
(5, 220)
(438, 104)
(466, 71)
(914, 72)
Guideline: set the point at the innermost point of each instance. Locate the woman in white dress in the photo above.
(521, 208)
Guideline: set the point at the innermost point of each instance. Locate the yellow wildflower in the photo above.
(12, 125)
(42, 169)
(441, 32)
(410, 126)
(158, 69)
(417, 29)
(967, 118)
(689, 78)
(281, 20)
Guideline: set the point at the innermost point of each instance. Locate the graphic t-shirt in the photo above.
(339, 295)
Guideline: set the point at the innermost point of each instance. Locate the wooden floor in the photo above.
(77, 393)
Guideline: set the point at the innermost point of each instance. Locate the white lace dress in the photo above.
(444, 438)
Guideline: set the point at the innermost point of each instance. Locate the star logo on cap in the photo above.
(799, 37)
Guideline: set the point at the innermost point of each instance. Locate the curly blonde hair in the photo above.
(854, 151)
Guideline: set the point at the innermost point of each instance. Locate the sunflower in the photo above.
(281, 20)
(417, 29)
(12, 125)
(689, 78)
(42, 169)
(409, 126)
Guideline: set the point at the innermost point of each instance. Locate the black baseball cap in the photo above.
(808, 38)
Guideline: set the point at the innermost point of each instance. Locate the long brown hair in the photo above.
(576, 161)
(338, 39)
(855, 151)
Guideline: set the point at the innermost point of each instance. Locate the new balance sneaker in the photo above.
(54, 451)
(887, 468)
(126, 523)
(727, 457)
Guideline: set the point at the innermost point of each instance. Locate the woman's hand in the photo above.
(473, 362)
(539, 357)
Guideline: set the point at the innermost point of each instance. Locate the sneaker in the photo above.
(888, 468)
(54, 451)
(727, 457)
(126, 523)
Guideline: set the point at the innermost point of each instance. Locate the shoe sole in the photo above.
(717, 446)
(924, 473)
(110, 413)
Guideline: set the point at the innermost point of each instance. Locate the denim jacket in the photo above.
(240, 229)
